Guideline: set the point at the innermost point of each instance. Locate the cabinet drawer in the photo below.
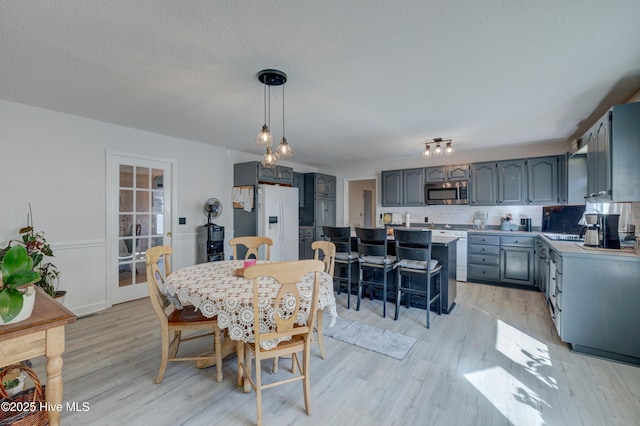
(484, 239)
(518, 241)
(484, 272)
(484, 249)
(484, 259)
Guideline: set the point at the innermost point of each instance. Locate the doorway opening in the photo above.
(361, 203)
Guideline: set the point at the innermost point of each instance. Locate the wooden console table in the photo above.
(41, 334)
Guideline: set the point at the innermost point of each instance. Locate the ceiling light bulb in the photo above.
(438, 150)
(269, 160)
(427, 151)
(264, 138)
(449, 149)
(284, 149)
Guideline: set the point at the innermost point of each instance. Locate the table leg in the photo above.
(53, 367)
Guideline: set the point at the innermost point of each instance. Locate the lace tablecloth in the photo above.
(214, 290)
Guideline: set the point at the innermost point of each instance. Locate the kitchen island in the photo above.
(443, 249)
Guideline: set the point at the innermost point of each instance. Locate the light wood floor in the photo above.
(495, 360)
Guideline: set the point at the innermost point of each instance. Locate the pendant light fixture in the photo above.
(270, 77)
(438, 150)
(265, 138)
(284, 149)
(269, 160)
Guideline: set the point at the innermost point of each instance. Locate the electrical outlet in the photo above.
(182, 221)
(426, 219)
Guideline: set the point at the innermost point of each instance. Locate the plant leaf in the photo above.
(22, 278)
(16, 260)
(11, 301)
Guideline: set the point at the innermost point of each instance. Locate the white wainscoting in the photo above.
(83, 267)
(83, 275)
(184, 251)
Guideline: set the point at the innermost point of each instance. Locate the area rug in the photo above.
(385, 342)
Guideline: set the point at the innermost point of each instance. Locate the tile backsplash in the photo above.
(464, 214)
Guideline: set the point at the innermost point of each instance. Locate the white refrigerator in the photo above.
(278, 219)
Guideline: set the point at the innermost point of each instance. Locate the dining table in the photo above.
(219, 289)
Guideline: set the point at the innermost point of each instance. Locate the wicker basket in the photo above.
(34, 396)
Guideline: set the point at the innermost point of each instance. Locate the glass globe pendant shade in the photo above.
(264, 139)
(449, 149)
(269, 160)
(438, 150)
(427, 151)
(284, 149)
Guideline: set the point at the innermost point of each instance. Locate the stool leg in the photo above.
(384, 293)
(398, 293)
(359, 288)
(428, 298)
(348, 285)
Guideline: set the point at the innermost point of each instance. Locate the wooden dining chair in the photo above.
(286, 276)
(252, 244)
(325, 251)
(176, 321)
(328, 251)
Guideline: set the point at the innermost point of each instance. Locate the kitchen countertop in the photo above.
(572, 248)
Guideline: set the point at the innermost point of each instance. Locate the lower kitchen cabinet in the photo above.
(516, 260)
(598, 304)
(483, 257)
(501, 259)
(305, 238)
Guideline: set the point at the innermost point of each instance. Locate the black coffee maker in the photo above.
(608, 231)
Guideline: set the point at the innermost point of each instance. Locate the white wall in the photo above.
(58, 163)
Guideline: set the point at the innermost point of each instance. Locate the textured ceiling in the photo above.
(367, 79)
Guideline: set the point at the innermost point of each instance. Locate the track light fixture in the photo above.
(438, 150)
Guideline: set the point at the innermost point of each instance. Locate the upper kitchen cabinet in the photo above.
(391, 188)
(403, 187)
(543, 180)
(444, 173)
(413, 187)
(512, 182)
(614, 143)
(483, 184)
(253, 173)
(324, 184)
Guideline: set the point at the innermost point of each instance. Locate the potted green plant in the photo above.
(17, 273)
(37, 248)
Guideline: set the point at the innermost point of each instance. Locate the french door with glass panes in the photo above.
(144, 219)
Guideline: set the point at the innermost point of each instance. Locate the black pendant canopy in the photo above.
(272, 77)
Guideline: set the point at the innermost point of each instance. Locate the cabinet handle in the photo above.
(516, 241)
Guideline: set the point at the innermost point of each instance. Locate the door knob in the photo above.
(169, 234)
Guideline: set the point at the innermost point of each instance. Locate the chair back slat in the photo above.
(155, 276)
(372, 242)
(340, 236)
(252, 244)
(328, 251)
(286, 276)
(412, 244)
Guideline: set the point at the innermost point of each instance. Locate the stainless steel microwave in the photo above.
(450, 192)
